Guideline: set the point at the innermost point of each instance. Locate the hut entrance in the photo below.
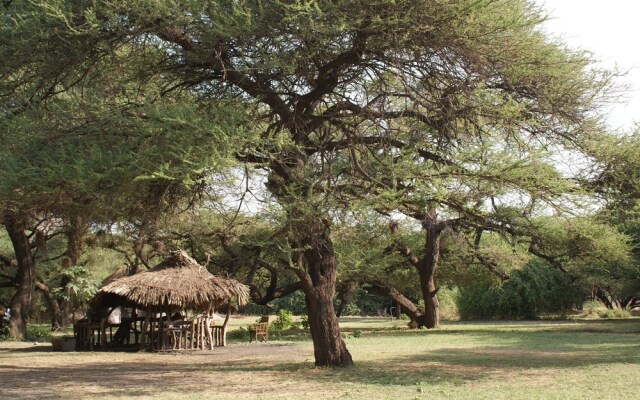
(160, 301)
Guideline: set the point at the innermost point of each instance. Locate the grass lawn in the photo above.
(514, 360)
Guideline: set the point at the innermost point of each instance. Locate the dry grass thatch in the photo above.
(178, 282)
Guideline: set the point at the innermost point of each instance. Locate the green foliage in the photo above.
(592, 307)
(535, 290)
(357, 333)
(351, 309)
(283, 321)
(479, 302)
(241, 334)
(369, 304)
(617, 313)
(448, 302)
(134, 105)
(294, 304)
(80, 287)
(304, 322)
(38, 333)
(4, 330)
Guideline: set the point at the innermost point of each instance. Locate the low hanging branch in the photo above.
(485, 261)
(408, 307)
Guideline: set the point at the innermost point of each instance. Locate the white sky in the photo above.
(610, 29)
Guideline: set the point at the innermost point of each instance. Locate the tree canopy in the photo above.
(346, 104)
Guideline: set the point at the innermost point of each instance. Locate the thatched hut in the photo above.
(178, 282)
(176, 285)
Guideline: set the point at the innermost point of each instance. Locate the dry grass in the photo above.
(548, 360)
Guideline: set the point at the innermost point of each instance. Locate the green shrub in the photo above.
(479, 302)
(535, 289)
(357, 333)
(350, 309)
(448, 301)
(284, 321)
(4, 331)
(614, 314)
(241, 334)
(38, 333)
(296, 325)
(304, 321)
(592, 309)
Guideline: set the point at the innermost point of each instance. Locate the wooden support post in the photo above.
(207, 326)
(90, 333)
(143, 331)
(161, 338)
(223, 342)
(103, 333)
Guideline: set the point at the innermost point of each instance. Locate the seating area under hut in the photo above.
(169, 307)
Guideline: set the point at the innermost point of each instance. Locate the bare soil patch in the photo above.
(34, 371)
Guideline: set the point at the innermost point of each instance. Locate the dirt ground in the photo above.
(238, 371)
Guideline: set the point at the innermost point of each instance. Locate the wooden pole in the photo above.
(145, 326)
(224, 324)
(90, 332)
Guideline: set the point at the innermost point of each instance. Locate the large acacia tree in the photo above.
(81, 157)
(329, 82)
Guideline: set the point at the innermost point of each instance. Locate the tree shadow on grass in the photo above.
(498, 353)
(37, 348)
(519, 352)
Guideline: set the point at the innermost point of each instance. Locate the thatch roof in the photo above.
(177, 282)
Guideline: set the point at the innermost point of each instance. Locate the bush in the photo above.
(614, 314)
(479, 302)
(448, 301)
(592, 309)
(4, 330)
(350, 309)
(284, 321)
(241, 333)
(304, 321)
(531, 291)
(38, 333)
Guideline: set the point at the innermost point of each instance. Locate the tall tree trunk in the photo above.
(74, 232)
(602, 296)
(52, 304)
(427, 268)
(319, 284)
(25, 276)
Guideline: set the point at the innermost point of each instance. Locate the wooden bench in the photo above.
(260, 331)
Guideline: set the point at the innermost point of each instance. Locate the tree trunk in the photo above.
(25, 277)
(401, 301)
(319, 283)
(602, 296)
(52, 304)
(431, 318)
(427, 268)
(74, 232)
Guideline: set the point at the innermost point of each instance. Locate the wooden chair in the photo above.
(260, 331)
